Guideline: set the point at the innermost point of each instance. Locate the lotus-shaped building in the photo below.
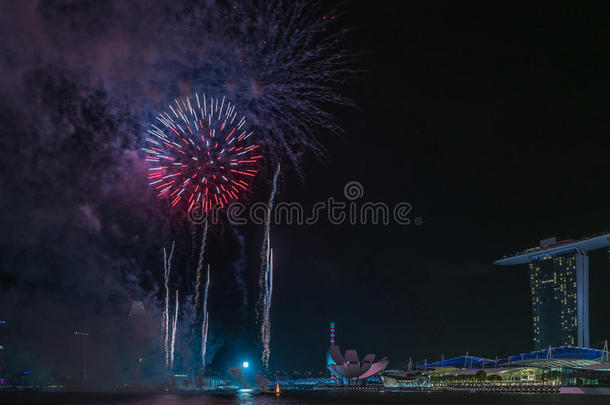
(350, 367)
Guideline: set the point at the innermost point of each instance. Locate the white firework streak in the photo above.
(272, 196)
(175, 324)
(265, 248)
(200, 265)
(265, 281)
(204, 341)
(205, 321)
(266, 323)
(167, 267)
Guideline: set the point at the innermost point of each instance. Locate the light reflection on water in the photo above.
(299, 398)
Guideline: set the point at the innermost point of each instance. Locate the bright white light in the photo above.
(245, 364)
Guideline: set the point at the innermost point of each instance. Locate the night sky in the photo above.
(492, 122)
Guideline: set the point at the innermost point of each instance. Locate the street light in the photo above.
(245, 364)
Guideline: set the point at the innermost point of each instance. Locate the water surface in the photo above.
(298, 398)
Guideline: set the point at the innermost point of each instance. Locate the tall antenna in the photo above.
(332, 343)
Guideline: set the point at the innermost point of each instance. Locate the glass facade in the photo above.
(554, 300)
(578, 377)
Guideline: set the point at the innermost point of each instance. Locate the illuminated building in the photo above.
(559, 288)
(349, 366)
(554, 301)
(137, 309)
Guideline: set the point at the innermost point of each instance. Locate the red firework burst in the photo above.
(201, 153)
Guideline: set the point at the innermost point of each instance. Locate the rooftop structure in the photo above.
(553, 357)
(555, 369)
(559, 284)
(551, 247)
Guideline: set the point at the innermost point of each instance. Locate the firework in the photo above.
(266, 317)
(265, 281)
(175, 324)
(288, 59)
(200, 265)
(167, 266)
(282, 62)
(205, 321)
(201, 153)
(204, 339)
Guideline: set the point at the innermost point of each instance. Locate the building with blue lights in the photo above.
(559, 287)
(566, 369)
(554, 357)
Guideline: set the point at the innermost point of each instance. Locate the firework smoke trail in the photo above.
(266, 322)
(167, 267)
(200, 265)
(268, 308)
(264, 249)
(205, 321)
(265, 281)
(204, 341)
(193, 238)
(175, 324)
(239, 267)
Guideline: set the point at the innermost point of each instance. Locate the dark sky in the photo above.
(491, 121)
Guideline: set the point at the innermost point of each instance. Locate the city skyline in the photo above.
(487, 124)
